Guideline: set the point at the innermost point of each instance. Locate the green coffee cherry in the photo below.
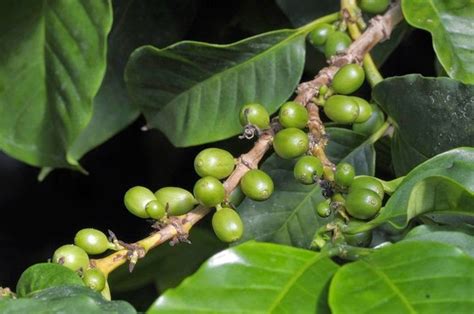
(72, 257)
(209, 191)
(94, 279)
(155, 210)
(320, 34)
(324, 208)
(375, 121)
(255, 114)
(214, 162)
(306, 168)
(227, 225)
(374, 6)
(363, 204)
(257, 185)
(178, 201)
(348, 79)
(135, 200)
(368, 183)
(92, 241)
(336, 43)
(365, 109)
(361, 239)
(341, 109)
(345, 174)
(293, 115)
(290, 143)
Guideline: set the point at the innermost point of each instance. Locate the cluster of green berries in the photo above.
(75, 256)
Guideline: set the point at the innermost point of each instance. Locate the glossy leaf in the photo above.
(455, 236)
(443, 184)
(65, 299)
(191, 89)
(135, 24)
(407, 277)
(289, 215)
(254, 278)
(50, 71)
(45, 275)
(348, 146)
(450, 22)
(167, 266)
(431, 115)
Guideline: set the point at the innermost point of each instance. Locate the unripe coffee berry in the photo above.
(257, 185)
(290, 143)
(348, 79)
(306, 168)
(227, 225)
(209, 191)
(214, 162)
(341, 109)
(135, 200)
(255, 114)
(72, 257)
(92, 241)
(176, 200)
(293, 115)
(344, 175)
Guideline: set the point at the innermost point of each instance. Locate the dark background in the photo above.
(38, 217)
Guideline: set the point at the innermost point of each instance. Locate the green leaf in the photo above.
(65, 299)
(407, 277)
(254, 278)
(431, 115)
(136, 24)
(193, 91)
(348, 146)
(167, 265)
(289, 215)
(444, 234)
(450, 24)
(45, 275)
(50, 71)
(443, 184)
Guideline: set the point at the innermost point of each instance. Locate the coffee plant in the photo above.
(356, 194)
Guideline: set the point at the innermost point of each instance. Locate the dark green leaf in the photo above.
(408, 277)
(65, 299)
(254, 278)
(45, 275)
(348, 146)
(431, 115)
(443, 184)
(193, 91)
(444, 234)
(136, 24)
(289, 215)
(50, 71)
(167, 265)
(450, 24)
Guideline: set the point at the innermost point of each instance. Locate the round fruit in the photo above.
(374, 6)
(94, 279)
(92, 241)
(365, 109)
(176, 200)
(72, 257)
(363, 204)
(155, 210)
(337, 42)
(306, 168)
(320, 34)
(324, 208)
(341, 109)
(348, 79)
(135, 200)
(214, 162)
(374, 122)
(257, 185)
(209, 191)
(290, 143)
(255, 114)
(345, 174)
(227, 225)
(293, 115)
(368, 183)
